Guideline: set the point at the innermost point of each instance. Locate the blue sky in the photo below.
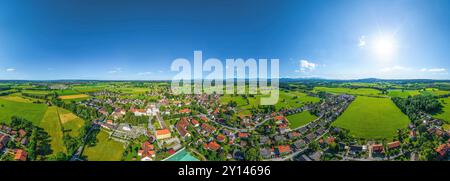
(138, 40)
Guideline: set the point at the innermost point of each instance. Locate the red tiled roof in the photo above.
(194, 122)
(162, 132)
(20, 155)
(377, 147)
(394, 144)
(213, 145)
(442, 149)
(185, 111)
(330, 140)
(208, 128)
(284, 149)
(279, 118)
(220, 137)
(242, 135)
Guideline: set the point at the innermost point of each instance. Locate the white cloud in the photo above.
(115, 71)
(362, 41)
(11, 70)
(394, 68)
(144, 73)
(433, 70)
(306, 66)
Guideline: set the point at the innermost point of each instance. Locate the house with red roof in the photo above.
(394, 145)
(213, 146)
(20, 155)
(195, 123)
(182, 126)
(221, 138)
(163, 134)
(442, 149)
(185, 111)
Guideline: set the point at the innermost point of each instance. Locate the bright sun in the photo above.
(384, 47)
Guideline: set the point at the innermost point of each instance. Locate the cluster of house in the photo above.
(443, 150)
(147, 152)
(19, 136)
(302, 136)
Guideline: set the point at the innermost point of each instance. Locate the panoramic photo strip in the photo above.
(186, 82)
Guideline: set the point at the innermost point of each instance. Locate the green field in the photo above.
(66, 92)
(16, 97)
(70, 122)
(372, 118)
(402, 93)
(290, 99)
(105, 150)
(437, 92)
(37, 92)
(342, 90)
(300, 119)
(294, 99)
(51, 124)
(445, 115)
(29, 111)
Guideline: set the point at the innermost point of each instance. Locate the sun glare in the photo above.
(384, 47)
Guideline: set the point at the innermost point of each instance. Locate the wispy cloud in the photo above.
(145, 73)
(362, 41)
(394, 68)
(10, 70)
(433, 70)
(306, 66)
(115, 71)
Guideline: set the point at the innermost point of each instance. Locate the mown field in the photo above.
(300, 119)
(29, 111)
(342, 90)
(372, 118)
(74, 96)
(70, 122)
(51, 124)
(291, 99)
(445, 115)
(16, 97)
(105, 150)
(402, 93)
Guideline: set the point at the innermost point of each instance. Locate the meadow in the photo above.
(66, 92)
(105, 149)
(402, 93)
(29, 111)
(290, 99)
(445, 115)
(300, 119)
(74, 96)
(342, 90)
(372, 118)
(52, 125)
(70, 122)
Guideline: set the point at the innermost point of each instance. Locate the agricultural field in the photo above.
(75, 96)
(372, 118)
(52, 125)
(70, 122)
(293, 99)
(29, 111)
(16, 97)
(437, 92)
(341, 90)
(300, 119)
(402, 93)
(37, 92)
(445, 115)
(105, 150)
(66, 92)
